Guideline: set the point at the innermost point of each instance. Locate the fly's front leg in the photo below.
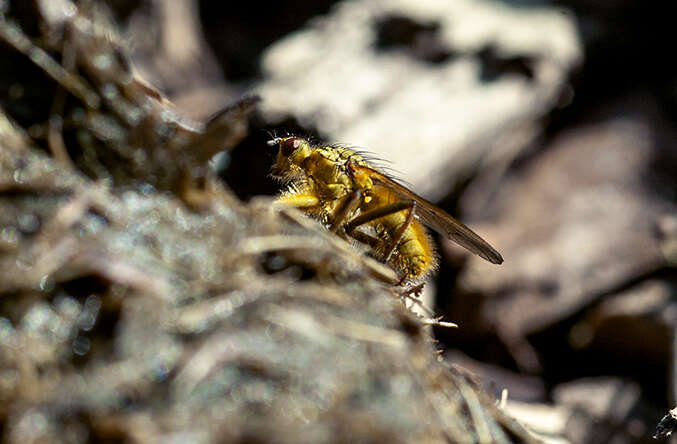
(299, 200)
(384, 211)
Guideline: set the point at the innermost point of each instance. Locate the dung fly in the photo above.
(337, 186)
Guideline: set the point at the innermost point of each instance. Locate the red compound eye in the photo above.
(288, 146)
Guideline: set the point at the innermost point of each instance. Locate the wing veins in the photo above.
(439, 220)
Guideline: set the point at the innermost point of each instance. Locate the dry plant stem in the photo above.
(504, 399)
(378, 270)
(450, 419)
(320, 329)
(521, 350)
(484, 434)
(11, 34)
(55, 130)
(479, 397)
(667, 425)
(203, 315)
(264, 244)
(673, 367)
(56, 245)
(439, 323)
(407, 295)
(120, 271)
(512, 425)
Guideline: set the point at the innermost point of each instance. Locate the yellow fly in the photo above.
(338, 187)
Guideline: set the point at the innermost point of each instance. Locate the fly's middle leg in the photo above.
(383, 211)
(346, 208)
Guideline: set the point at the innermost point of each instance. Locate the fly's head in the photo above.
(289, 163)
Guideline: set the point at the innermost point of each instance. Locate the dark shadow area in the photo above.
(239, 32)
(628, 46)
(419, 40)
(494, 66)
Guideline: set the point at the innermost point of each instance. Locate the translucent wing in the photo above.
(436, 218)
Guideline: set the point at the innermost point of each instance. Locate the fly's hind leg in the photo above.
(366, 239)
(401, 231)
(383, 211)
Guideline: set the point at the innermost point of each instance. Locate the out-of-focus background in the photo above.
(549, 127)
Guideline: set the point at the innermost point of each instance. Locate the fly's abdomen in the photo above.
(414, 256)
(415, 253)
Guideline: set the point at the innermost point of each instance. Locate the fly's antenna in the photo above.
(274, 139)
(271, 133)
